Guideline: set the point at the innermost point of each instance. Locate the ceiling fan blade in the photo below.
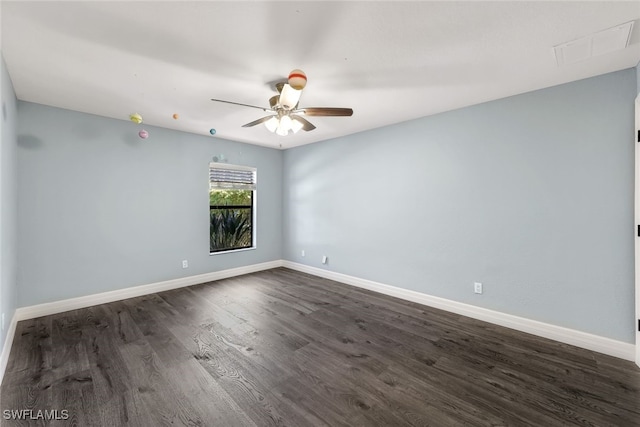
(257, 122)
(325, 111)
(306, 124)
(242, 105)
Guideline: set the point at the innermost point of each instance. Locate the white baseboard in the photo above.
(592, 342)
(55, 307)
(6, 349)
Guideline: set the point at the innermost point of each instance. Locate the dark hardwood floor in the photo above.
(284, 348)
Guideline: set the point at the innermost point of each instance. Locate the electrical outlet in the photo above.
(185, 263)
(324, 259)
(302, 253)
(477, 288)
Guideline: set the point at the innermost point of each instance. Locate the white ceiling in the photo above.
(390, 61)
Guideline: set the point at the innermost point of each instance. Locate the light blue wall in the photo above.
(101, 209)
(8, 201)
(531, 195)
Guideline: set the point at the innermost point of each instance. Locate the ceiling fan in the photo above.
(285, 114)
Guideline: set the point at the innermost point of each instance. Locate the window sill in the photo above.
(232, 251)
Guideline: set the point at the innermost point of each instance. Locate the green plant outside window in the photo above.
(231, 214)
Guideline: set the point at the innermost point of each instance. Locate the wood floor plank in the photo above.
(164, 403)
(207, 396)
(249, 385)
(32, 341)
(284, 348)
(75, 394)
(109, 371)
(328, 379)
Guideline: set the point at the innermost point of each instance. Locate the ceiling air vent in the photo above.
(606, 41)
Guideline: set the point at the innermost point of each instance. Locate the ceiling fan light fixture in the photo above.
(289, 97)
(284, 117)
(286, 123)
(272, 124)
(284, 126)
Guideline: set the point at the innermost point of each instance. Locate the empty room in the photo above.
(420, 213)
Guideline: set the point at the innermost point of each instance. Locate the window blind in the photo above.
(231, 177)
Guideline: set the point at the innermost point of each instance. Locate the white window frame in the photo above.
(254, 204)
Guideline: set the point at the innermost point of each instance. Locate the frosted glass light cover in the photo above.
(271, 124)
(285, 123)
(289, 97)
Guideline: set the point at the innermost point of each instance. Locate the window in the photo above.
(232, 195)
